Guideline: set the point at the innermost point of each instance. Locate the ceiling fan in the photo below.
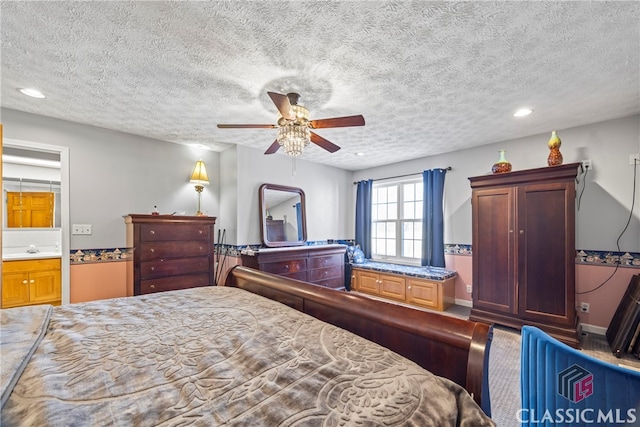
(295, 128)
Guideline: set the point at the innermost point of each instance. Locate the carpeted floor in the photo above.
(504, 367)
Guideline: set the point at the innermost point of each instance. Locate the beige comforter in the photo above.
(214, 356)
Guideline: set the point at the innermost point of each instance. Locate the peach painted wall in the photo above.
(603, 302)
(109, 280)
(462, 264)
(100, 280)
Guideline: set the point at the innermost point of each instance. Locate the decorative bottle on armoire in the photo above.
(555, 156)
(524, 250)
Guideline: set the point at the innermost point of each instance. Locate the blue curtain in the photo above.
(433, 217)
(298, 207)
(363, 216)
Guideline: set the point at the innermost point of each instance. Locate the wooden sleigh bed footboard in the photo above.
(453, 348)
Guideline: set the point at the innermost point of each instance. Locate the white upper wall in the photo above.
(328, 194)
(113, 174)
(605, 203)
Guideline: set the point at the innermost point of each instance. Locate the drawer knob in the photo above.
(521, 231)
(152, 287)
(32, 281)
(200, 231)
(151, 250)
(286, 266)
(24, 282)
(153, 268)
(152, 232)
(408, 287)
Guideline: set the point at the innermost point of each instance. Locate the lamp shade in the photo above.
(199, 175)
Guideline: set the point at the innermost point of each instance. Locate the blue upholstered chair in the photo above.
(563, 386)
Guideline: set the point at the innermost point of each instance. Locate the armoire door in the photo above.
(546, 235)
(494, 269)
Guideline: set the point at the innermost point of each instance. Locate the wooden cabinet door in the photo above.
(30, 209)
(494, 248)
(44, 286)
(392, 287)
(368, 282)
(15, 289)
(546, 252)
(423, 293)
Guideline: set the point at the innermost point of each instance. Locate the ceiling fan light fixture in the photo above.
(294, 139)
(295, 128)
(301, 113)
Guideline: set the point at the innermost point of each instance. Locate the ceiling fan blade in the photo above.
(223, 126)
(327, 145)
(338, 122)
(283, 104)
(273, 147)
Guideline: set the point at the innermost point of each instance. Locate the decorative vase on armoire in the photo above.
(555, 156)
(502, 165)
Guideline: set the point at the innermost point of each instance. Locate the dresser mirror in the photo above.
(283, 219)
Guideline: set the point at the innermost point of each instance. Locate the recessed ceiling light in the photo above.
(522, 112)
(198, 145)
(359, 154)
(34, 93)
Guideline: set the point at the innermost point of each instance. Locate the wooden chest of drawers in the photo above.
(170, 252)
(322, 264)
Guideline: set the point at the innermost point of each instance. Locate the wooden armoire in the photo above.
(524, 250)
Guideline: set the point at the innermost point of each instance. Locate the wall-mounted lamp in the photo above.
(200, 179)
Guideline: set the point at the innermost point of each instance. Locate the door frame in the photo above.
(65, 224)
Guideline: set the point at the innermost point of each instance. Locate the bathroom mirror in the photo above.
(31, 189)
(282, 216)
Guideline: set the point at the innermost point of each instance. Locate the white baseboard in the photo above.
(464, 302)
(592, 329)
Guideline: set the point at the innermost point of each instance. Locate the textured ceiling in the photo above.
(429, 77)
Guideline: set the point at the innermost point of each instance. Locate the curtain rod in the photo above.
(448, 168)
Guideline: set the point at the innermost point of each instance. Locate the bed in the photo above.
(226, 355)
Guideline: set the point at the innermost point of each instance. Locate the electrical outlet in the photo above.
(81, 229)
(586, 164)
(634, 158)
(468, 289)
(584, 307)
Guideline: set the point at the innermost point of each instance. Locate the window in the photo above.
(396, 216)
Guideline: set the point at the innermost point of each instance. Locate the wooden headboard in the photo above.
(454, 348)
